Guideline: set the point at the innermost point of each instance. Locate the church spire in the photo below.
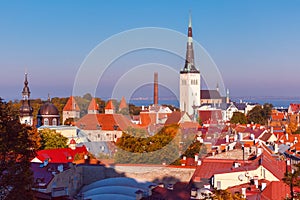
(189, 66)
(190, 32)
(26, 91)
(25, 109)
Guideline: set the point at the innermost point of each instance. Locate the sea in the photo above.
(278, 102)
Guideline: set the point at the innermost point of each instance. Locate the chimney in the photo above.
(259, 151)
(235, 137)
(244, 192)
(272, 129)
(288, 162)
(227, 138)
(287, 136)
(199, 162)
(263, 186)
(276, 148)
(155, 98)
(255, 181)
(241, 136)
(196, 157)
(193, 192)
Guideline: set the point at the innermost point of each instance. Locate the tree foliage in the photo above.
(238, 118)
(226, 195)
(136, 147)
(16, 149)
(195, 148)
(260, 114)
(52, 140)
(292, 179)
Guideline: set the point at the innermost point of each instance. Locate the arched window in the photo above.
(46, 121)
(54, 122)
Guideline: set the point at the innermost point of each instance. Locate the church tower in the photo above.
(26, 110)
(189, 78)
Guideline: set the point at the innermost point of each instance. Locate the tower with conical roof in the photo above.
(26, 110)
(71, 109)
(189, 78)
(93, 107)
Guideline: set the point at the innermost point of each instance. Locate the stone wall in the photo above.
(151, 173)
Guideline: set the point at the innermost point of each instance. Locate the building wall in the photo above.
(50, 118)
(232, 179)
(189, 91)
(150, 173)
(69, 182)
(70, 114)
(103, 135)
(28, 120)
(211, 101)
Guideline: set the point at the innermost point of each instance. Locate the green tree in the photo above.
(260, 114)
(16, 149)
(136, 147)
(238, 118)
(226, 195)
(292, 179)
(52, 140)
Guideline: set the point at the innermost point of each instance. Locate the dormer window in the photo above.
(99, 127)
(116, 127)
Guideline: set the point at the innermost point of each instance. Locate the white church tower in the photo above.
(26, 110)
(189, 78)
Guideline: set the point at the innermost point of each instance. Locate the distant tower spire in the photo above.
(190, 79)
(189, 66)
(155, 98)
(26, 91)
(190, 33)
(227, 96)
(49, 99)
(26, 110)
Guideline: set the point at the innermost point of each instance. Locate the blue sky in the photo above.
(255, 44)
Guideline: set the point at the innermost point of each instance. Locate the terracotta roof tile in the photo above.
(276, 190)
(93, 105)
(108, 122)
(61, 155)
(294, 108)
(71, 105)
(123, 103)
(278, 116)
(109, 105)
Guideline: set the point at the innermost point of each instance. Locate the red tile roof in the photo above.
(266, 136)
(149, 118)
(71, 105)
(107, 122)
(294, 108)
(93, 105)
(180, 192)
(210, 115)
(209, 167)
(123, 103)
(276, 190)
(61, 155)
(174, 118)
(278, 116)
(109, 105)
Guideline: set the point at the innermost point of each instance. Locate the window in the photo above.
(54, 122)
(46, 122)
(218, 185)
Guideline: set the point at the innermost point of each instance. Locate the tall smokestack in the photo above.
(155, 88)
